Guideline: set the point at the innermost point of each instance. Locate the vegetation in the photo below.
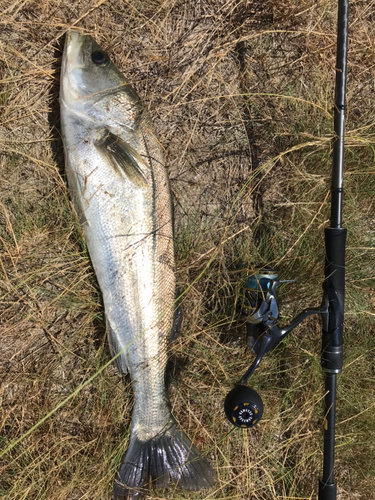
(241, 94)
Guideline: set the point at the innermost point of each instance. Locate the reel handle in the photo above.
(243, 407)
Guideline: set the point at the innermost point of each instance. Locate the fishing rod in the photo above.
(243, 406)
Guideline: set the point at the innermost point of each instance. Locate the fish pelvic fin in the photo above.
(168, 455)
(177, 323)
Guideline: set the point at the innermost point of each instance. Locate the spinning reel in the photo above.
(243, 406)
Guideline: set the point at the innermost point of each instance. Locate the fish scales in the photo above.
(116, 174)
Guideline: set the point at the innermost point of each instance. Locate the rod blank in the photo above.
(339, 121)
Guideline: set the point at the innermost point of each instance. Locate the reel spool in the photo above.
(260, 304)
(255, 289)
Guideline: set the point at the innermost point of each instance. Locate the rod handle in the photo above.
(327, 491)
(334, 291)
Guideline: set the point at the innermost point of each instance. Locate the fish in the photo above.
(116, 174)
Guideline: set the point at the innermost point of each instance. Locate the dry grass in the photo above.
(241, 94)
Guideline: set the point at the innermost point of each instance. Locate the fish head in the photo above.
(87, 73)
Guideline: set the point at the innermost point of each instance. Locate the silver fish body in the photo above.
(116, 174)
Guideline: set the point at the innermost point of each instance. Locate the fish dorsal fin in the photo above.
(123, 157)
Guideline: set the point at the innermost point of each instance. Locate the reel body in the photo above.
(243, 406)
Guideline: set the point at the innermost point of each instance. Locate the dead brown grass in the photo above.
(241, 94)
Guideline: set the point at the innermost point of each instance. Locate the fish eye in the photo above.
(99, 58)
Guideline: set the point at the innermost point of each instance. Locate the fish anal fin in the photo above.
(122, 156)
(115, 348)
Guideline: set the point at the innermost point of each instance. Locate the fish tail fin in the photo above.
(169, 454)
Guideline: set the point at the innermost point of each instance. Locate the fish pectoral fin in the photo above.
(115, 348)
(122, 156)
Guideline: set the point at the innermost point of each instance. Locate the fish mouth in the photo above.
(73, 50)
(72, 67)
